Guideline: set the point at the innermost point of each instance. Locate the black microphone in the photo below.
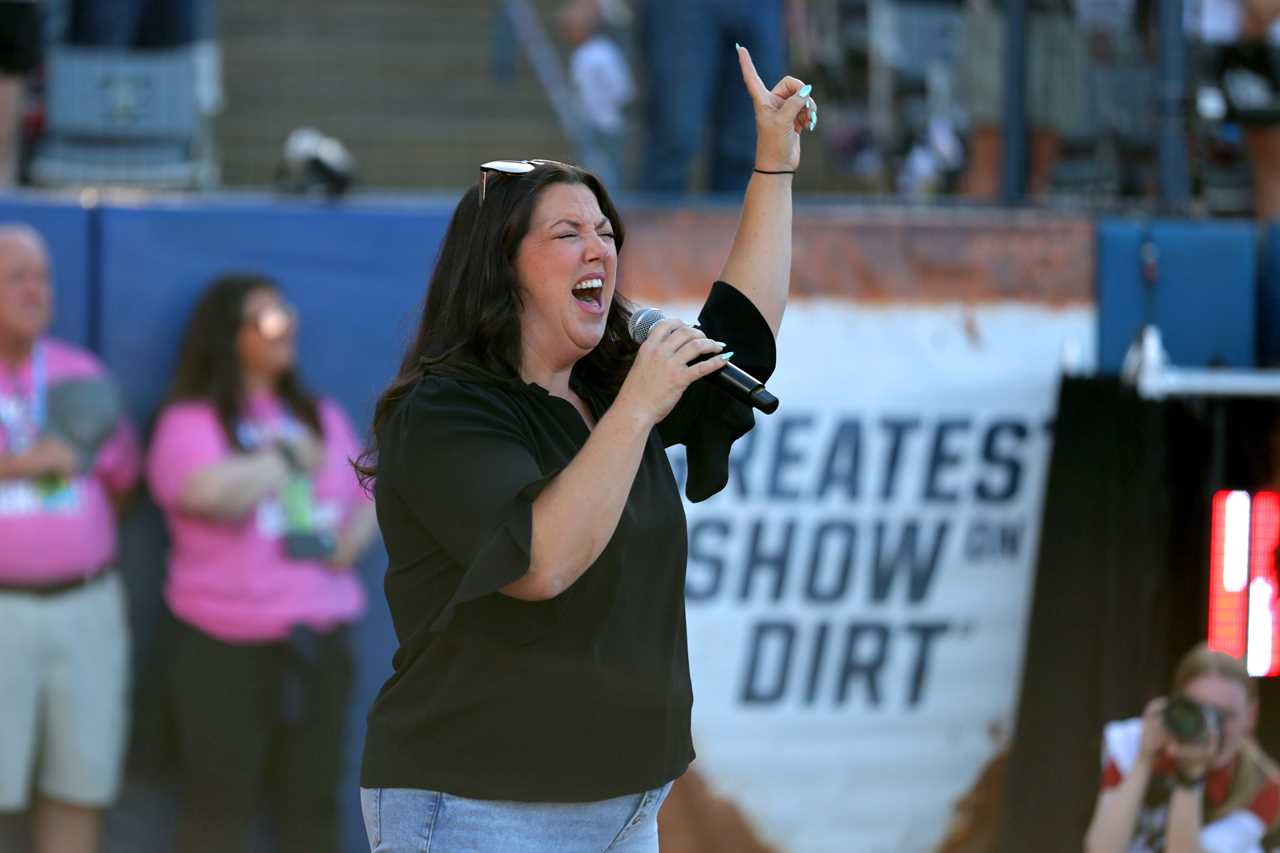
(732, 379)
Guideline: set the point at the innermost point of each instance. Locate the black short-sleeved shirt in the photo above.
(583, 697)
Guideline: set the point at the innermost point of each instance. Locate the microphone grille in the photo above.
(642, 322)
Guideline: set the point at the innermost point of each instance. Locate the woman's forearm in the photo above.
(228, 490)
(356, 535)
(1182, 835)
(12, 467)
(759, 264)
(1116, 815)
(576, 514)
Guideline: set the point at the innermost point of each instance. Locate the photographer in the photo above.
(1187, 776)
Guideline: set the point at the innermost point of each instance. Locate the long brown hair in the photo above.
(209, 366)
(470, 326)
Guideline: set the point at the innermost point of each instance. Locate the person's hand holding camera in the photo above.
(1194, 736)
(1155, 737)
(1194, 759)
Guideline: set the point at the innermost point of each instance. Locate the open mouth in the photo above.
(590, 292)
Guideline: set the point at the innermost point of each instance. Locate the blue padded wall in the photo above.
(1203, 299)
(1269, 299)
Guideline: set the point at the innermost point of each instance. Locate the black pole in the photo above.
(1013, 171)
(1175, 183)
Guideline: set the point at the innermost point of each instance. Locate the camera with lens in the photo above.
(1190, 722)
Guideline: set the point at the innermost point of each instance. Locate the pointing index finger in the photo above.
(755, 86)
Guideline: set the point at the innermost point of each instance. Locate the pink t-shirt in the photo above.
(59, 532)
(232, 579)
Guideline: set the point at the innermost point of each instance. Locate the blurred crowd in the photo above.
(250, 469)
(912, 93)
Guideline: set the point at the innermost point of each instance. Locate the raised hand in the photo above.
(782, 114)
(1154, 736)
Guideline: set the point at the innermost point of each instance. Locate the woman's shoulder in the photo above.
(436, 404)
(186, 420)
(186, 410)
(331, 411)
(335, 423)
(69, 361)
(442, 393)
(440, 414)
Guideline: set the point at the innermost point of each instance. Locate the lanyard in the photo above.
(297, 497)
(253, 434)
(11, 421)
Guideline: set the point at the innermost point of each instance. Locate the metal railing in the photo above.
(1147, 368)
(545, 62)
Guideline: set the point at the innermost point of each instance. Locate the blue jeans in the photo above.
(408, 820)
(694, 87)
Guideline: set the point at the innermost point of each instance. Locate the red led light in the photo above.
(1244, 584)
(1264, 537)
(1228, 603)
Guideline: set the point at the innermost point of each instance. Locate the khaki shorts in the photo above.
(1056, 69)
(64, 694)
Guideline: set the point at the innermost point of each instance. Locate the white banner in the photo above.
(858, 595)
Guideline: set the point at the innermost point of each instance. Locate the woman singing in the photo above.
(541, 695)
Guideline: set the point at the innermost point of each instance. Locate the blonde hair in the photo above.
(1202, 660)
(1255, 767)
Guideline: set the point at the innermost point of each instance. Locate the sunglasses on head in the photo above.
(510, 167)
(273, 321)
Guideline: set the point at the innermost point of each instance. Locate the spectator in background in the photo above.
(1055, 86)
(140, 23)
(1234, 42)
(1217, 793)
(266, 519)
(602, 82)
(693, 94)
(66, 457)
(21, 49)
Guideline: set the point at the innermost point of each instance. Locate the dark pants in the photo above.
(694, 90)
(260, 725)
(140, 23)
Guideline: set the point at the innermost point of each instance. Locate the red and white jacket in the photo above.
(1240, 831)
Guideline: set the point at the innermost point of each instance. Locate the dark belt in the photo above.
(57, 588)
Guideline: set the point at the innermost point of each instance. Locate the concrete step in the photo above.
(406, 84)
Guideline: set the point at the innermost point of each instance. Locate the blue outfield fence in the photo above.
(1269, 299)
(357, 276)
(1202, 294)
(127, 277)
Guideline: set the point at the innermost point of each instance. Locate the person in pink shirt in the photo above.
(266, 518)
(67, 458)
